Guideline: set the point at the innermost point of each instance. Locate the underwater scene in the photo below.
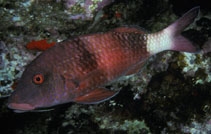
(105, 67)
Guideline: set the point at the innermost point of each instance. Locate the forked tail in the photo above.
(170, 38)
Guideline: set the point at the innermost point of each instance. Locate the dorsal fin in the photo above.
(129, 29)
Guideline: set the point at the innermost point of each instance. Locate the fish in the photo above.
(77, 69)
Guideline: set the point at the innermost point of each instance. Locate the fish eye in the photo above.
(38, 79)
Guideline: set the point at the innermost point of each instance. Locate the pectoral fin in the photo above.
(96, 96)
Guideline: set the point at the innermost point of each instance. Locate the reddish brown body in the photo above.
(76, 69)
(91, 61)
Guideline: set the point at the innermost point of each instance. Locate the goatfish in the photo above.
(77, 69)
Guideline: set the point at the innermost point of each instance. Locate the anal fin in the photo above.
(96, 96)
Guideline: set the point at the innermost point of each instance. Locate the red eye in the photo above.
(38, 79)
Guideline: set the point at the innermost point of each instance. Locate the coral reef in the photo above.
(13, 59)
(85, 9)
(171, 94)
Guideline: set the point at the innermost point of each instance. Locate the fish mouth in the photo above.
(20, 107)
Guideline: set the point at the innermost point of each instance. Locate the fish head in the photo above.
(37, 88)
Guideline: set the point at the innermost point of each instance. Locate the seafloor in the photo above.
(171, 94)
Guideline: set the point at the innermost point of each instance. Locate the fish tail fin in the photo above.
(183, 45)
(180, 43)
(170, 38)
(179, 25)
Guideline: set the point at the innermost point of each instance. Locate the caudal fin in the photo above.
(170, 38)
(180, 43)
(179, 25)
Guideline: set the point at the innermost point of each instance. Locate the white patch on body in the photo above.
(159, 41)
